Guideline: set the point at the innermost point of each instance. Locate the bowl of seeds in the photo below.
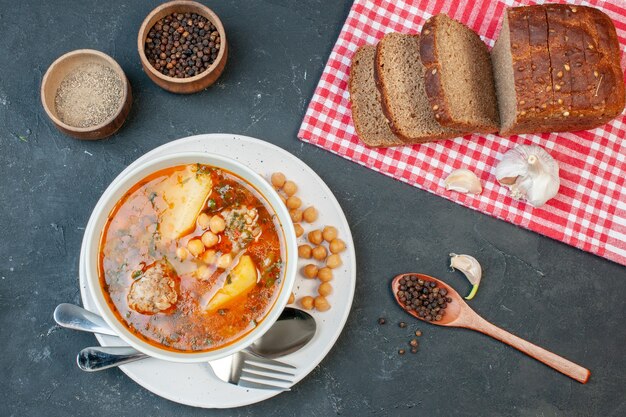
(86, 94)
(182, 46)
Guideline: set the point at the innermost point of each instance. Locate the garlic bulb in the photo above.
(530, 173)
(470, 268)
(463, 181)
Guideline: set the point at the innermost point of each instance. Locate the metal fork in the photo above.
(243, 368)
(251, 371)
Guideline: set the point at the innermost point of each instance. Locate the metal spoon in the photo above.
(459, 314)
(293, 329)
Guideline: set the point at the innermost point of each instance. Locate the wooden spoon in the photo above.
(459, 314)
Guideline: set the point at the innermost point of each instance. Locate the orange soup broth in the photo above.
(130, 242)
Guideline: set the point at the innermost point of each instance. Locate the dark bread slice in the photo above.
(369, 121)
(400, 79)
(602, 56)
(541, 68)
(459, 77)
(560, 52)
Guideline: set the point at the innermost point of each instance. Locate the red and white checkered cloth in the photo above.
(590, 210)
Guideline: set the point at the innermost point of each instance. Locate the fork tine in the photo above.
(265, 378)
(264, 361)
(249, 366)
(257, 385)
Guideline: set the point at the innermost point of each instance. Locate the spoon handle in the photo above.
(553, 360)
(77, 318)
(93, 359)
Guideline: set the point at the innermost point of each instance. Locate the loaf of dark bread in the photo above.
(369, 121)
(459, 77)
(586, 87)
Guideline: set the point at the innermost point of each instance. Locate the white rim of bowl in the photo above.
(262, 186)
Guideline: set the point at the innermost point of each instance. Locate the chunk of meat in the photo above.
(154, 291)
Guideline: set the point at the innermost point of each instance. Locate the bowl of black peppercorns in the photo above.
(182, 46)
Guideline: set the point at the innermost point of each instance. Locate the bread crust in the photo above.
(433, 83)
(386, 105)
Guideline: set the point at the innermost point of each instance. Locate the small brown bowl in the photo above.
(58, 71)
(197, 82)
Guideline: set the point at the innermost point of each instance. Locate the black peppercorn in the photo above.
(189, 36)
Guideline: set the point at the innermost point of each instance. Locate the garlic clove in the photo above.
(464, 181)
(530, 173)
(470, 267)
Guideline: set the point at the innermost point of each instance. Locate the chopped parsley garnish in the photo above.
(203, 169)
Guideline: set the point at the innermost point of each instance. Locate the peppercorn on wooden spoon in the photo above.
(459, 314)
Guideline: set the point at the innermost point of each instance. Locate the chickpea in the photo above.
(294, 202)
(337, 246)
(304, 251)
(325, 289)
(325, 274)
(315, 237)
(319, 253)
(307, 302)
(209, 239)
(203, 273)
(224, 261)
(290, 188)
(310, 214)
(292, 298)
(203, 221)
(283, 199)
(217, 224)
(310, 271)
(195, 247)
(299, 230)
(333, 261)
(278, 179)
(182, 253)
(329, 233)
(321, 303)
(296, 215)
(209, 257)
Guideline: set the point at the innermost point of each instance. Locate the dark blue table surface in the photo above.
(554, 295)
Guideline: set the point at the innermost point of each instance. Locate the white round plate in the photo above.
(195, 384)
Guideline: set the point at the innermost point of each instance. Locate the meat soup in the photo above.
(191, 258)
